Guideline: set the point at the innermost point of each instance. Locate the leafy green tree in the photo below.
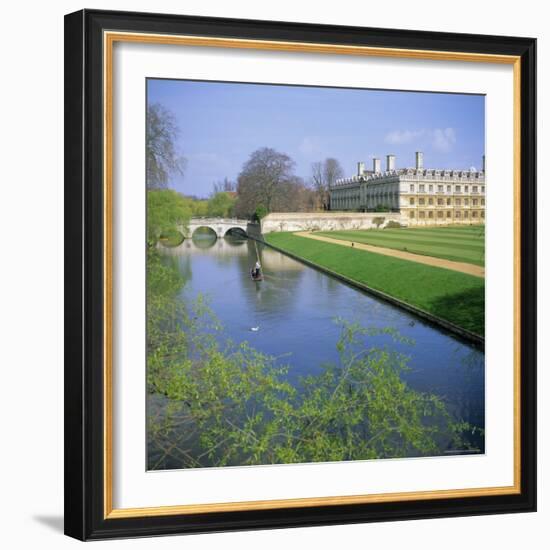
(198, 207)
(162, 157)
(166, 211)
(221, 204)
(260, 212)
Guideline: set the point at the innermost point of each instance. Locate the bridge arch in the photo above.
(204, 230)
(235, 231)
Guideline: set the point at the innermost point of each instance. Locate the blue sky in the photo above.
(221, 124)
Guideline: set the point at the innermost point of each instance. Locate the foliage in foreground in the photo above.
(219, 405)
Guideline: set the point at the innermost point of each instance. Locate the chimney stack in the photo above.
(360, 168)
(419, 160)
(390, 162)
(376, 165)
(483, 164)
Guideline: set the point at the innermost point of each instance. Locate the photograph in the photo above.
(290, 297)
(315, 274)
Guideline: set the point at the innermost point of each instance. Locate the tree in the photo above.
(260, 212)
(378, 221)
(199, 207)
(221, 204)
(166, 211)
(323, 176)
(226, 185)
(266, 179)
(162, 158)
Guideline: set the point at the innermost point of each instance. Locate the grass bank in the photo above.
(459, 244)
(455, 297)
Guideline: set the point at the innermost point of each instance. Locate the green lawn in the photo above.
(458, 243)
(450, 295)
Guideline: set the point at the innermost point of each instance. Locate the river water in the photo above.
(293, 312)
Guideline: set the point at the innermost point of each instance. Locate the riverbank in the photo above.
(452, 299)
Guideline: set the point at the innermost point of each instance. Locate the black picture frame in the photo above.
(84, 281)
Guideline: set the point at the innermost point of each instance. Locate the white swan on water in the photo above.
(255, 329)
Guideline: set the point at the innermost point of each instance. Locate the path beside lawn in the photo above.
(469, 269)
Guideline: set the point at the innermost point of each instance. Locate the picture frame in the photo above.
(90, 158)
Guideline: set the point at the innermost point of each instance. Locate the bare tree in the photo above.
(225, 186)
(323, 176)
(318, 182)
(162, 157)
(266, 179)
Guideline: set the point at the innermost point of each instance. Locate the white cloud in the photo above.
(441, 139)
(399, 137)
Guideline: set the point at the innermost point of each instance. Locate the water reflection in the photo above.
(295, 307)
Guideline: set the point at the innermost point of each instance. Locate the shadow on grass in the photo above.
(465, 309)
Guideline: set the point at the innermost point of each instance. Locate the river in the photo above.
(291, 315)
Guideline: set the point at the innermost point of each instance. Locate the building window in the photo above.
(449, 202)
(474, 188)
(448, 213)
(466, 214)
(440, 188)
(483, 202)
(421, 188)
(448, 188)
(474, 202)
(411, 200)
(440, 214)
(483, 188)
(440, 201)
(411, 187)
(483, 213)
(421, 201)
(457, 202)
(411, 214)
(466, 202)
(430, 188)
(430, 214)
(457, 188)
(457, 214)
(465, 189)
(430, 201)
(474, 214)
(422, 214)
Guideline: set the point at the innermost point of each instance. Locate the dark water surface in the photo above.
(294, 310)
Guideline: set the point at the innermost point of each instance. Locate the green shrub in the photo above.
(392, 224)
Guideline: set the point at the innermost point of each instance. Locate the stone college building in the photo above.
(422, 196)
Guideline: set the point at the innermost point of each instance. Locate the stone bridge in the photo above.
(220, 226)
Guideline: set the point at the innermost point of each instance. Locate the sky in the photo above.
(221, 124)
